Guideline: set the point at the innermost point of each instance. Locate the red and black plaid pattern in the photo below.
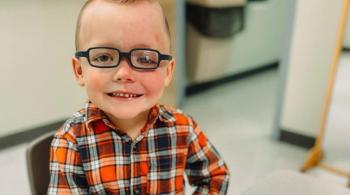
(90, 156)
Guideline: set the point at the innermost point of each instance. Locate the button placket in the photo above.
(132, 161)
(133, 148)
(137, 191)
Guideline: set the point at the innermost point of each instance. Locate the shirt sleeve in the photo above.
(205, 168)
(66, 170)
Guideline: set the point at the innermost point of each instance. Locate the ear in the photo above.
(78, 71)
(170, 72)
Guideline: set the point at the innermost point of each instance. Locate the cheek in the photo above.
(95, 82)
(154, 83)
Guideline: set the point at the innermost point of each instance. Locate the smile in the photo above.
(124, 95)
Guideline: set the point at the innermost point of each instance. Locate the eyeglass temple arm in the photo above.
(165, 57)
(79, 54)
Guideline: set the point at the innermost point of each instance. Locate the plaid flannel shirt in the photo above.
(90, 156)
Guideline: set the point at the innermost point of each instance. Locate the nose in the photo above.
(124, 72)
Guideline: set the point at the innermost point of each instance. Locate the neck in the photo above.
(132, 126)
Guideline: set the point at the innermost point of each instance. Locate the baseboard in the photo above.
(201, 87)
(249, 1)
(297, 139)
(346, 49)
(28, 135)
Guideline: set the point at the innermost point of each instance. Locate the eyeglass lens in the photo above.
(139, 58)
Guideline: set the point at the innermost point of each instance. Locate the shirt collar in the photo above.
(92, 113)
(165, 114)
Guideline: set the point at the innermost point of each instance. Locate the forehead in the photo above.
(138, 23)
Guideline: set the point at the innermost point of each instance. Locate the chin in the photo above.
(127, 114)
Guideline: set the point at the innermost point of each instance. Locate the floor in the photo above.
(238, 119)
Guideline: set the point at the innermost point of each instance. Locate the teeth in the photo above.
(125, 95)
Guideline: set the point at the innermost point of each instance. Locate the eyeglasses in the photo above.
(108, 57)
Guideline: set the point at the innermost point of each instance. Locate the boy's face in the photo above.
(122, 92)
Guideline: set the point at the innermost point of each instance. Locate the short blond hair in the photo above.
(88, 2)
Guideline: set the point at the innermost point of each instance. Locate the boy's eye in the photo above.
(103, 58)
(146, 60)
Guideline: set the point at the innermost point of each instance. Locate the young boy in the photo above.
(123, 141)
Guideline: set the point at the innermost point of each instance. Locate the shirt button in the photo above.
(137, 191)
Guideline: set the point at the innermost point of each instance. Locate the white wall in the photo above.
(261, 41)
(36, 82)
(347, 35)
(312, 48)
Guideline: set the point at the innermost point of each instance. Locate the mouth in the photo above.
(124, 95)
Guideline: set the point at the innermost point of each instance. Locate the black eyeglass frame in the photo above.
(127, 55)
